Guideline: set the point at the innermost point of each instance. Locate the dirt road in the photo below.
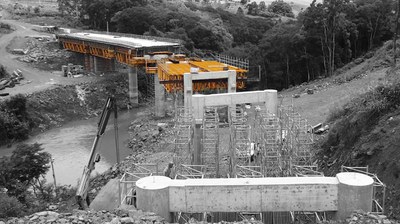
(35, 79)
(316, 107)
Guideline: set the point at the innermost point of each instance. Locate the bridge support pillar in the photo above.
(153, 196)
(197, 149)
(355, 193)
(133, 87)
(159, 96)
(87, 62)
(91, 60)
(95, 64)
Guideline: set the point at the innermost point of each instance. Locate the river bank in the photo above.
(40, 111)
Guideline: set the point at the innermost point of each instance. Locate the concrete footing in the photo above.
(341, 194)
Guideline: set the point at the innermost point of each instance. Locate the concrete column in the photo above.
(197, 146)
(91, 59)
(271, 101)
(87, 62)
(187, 90)
(231, 81)
(133, 87)
(96, 64)
(152, 195)
(354, 193)
(159, 96)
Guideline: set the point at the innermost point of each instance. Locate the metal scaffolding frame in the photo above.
(210, 141)
(127, 183)
(191, 172)
(183, 140)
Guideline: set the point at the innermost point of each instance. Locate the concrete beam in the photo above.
(344, 193)
(268, 97)
(188, 79)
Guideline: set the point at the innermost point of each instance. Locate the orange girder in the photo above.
(101, 52)
(75, 46)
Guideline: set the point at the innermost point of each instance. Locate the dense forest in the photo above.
(320, 39)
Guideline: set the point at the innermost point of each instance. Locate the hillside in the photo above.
(361, 106)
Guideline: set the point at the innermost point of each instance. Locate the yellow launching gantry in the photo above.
(155, 55)
(170, 73)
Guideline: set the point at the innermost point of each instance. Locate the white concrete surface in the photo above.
(126, 41)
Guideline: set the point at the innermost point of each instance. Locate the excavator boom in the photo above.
(82, 192)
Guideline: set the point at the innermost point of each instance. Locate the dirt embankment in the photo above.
(365, 132)
(56, 106)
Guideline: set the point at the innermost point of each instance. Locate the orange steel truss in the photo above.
(170, 70)
(75, 46)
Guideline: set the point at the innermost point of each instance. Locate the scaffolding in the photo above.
(183, 137)
(127, 183)
(210, 141)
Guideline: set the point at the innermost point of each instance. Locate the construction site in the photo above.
(229, 144)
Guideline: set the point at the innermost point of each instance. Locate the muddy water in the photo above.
(70, 146)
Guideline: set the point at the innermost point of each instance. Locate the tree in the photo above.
(281, 8)
(240, 11)
(26, 164)
(252, 8)
(243, 2)
(262, 6)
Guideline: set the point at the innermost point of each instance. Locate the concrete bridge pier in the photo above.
(159, 96)
(133, 86)
(87, 62)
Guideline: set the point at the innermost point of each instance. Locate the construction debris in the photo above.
(11, 81)
(72, 71)
(19, 51)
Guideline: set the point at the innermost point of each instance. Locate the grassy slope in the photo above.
(364, 122)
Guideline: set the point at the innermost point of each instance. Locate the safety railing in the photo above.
(127, 183)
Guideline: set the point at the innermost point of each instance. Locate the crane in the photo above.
(83, 188)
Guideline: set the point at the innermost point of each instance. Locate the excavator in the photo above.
(83, 188)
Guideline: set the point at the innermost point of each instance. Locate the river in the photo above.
(70, 146)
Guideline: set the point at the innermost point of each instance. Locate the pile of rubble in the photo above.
(79, 216)
(12, 80)
(43, 50)
(360, 217)
(147, 135)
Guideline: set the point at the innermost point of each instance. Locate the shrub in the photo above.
(36, 10)
(14, 120)
(10, 206)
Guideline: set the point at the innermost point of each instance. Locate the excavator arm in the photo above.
(82, 192)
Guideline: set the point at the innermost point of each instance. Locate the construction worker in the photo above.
(168, 170)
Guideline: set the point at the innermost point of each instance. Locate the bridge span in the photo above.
(159, 56)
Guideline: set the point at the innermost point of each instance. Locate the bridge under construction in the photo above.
(237, 155)
(160, 58)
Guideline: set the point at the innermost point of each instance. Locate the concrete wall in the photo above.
(345, 193)
(254, 195)
(268, 97)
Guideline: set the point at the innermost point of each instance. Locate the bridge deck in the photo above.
(122, 41)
